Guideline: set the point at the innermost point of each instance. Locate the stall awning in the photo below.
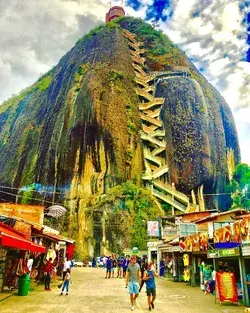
(11, 238)
(15, 241)
(37, 248)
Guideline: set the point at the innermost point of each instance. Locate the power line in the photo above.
(42, 191)
(64, 193)
(19, 196)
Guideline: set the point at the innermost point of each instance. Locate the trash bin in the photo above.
(24, 285)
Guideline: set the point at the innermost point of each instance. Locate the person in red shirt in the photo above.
(47, 274)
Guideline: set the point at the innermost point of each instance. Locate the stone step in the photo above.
(154, 113)
(149, 129)
(147, 78)
(144, 94)
(157, 151)
(154, 141)
(139, 69)
(150, 120)
(169, 200)
(155, 174)
(168, 188)
(147, 154)
(138, 60)
(152, 103)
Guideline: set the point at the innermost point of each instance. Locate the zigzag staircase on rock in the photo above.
(153, 133)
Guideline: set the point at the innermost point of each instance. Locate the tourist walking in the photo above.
(143, 268)
(108, 267)
(119, 268)
(125, 266)
(162, 268)
(207, 276)
(66, 266)
(66, 282)
(132, 280)
(149, 278)
(47, 274)
(114, 263)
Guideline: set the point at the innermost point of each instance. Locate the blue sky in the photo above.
(214, 34)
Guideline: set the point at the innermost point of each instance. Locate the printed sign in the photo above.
(153, 228)
(238, 232)
(226, 286)
(228, 252)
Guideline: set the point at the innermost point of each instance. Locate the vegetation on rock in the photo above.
(240, 187)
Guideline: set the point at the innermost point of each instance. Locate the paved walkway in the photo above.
(90, 292)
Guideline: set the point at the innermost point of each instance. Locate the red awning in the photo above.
(37, 248)
(9, 237)
(15, 241)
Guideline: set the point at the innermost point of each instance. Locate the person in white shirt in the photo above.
(66, 266)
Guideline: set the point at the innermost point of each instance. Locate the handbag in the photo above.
(60, 285)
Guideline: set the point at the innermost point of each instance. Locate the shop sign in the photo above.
(194, 243)
(212, 254)
(245, 250)
(228, 252)
(227, 286)
(153, 228)
(151, 244)
(135, 250)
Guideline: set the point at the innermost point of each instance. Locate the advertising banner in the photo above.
(153, 229)
(226, 286)
(244, 230)
(194, 243)
(237, 232)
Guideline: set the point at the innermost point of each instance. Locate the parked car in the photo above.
(78, 263)
(99, 261)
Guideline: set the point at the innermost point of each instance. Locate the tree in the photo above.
(240, 187)
(128, 208)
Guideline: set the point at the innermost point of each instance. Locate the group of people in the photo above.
(136, 275)
(136, 271)
(66, 275)
(117, 265)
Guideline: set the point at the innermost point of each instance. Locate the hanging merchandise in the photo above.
(51, 253)
(185, 259)
(70, 251)
(186, 274)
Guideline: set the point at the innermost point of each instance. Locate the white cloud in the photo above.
(35, 34)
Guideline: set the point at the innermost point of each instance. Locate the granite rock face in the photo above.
(75, 132)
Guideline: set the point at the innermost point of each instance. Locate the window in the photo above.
(218, 225)
(187, 229)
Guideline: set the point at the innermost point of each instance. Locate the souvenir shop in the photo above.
(15, 252)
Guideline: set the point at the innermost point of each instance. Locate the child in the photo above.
(149, 278)
(66, 282)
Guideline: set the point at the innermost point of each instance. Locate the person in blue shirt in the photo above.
(149, 278)
(108, 267)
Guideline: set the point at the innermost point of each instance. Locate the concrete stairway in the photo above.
(153, 133)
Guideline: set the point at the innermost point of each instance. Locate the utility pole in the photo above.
(110, 4)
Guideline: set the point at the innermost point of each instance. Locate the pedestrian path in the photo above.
(90, 292)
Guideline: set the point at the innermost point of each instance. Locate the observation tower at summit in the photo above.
(114, 12)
